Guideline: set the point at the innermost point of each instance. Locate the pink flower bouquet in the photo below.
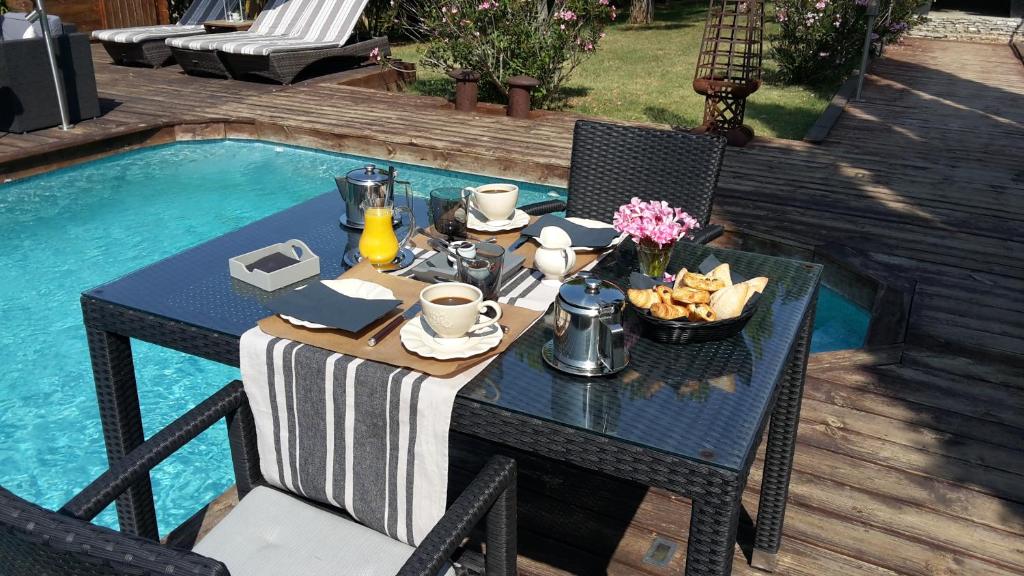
(655, 227)
(653, 222)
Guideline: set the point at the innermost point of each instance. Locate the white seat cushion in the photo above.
(271, 533)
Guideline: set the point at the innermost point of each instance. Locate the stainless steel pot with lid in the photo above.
(587, 322)
(360, 184)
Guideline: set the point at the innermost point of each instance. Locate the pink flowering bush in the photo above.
(505, 38)
(819, 39)
(653, 223)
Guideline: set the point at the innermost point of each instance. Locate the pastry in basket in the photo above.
(755, 285)
(679, 278)
(687, 295)
(669, 311)
(701, 312)
(728, 302)
(722, 272)
(642, 298)
(702, 282)
(664, 293)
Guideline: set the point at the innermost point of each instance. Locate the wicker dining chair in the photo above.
(35, 541)
(612, 163)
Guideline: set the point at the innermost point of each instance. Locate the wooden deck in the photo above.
(914, 467)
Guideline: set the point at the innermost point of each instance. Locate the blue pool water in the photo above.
(72, 229)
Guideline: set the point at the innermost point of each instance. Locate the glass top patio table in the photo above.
(703, 402)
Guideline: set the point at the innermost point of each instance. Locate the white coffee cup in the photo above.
(497, 202)
(449, 320)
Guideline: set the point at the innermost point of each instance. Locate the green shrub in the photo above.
(817, 39)
(505, 38)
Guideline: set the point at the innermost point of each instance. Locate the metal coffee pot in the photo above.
(368, 184)
(587, 321)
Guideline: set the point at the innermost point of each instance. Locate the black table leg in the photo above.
(778, 461)
(118, 399)
(713, 524)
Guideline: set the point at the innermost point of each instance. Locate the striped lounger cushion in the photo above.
(190, 24)
(144, 33)
(286, 26)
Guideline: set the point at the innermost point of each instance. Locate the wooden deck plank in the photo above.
(905, 469)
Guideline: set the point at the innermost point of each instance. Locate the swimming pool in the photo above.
(72, 229)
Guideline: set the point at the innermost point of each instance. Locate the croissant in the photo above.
(642, 298)
(698, 312)
(702, 282)
(689, 295)
(668, 311)
(664, 293)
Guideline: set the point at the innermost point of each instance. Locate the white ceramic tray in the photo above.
(308, 265)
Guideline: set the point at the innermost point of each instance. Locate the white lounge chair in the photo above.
(145, 44)
(288, 37)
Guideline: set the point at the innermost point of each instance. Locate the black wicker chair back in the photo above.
(35, 541)
(611, 164)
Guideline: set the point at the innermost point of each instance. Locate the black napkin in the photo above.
(272, 263)
(318, 303)
(582, 237)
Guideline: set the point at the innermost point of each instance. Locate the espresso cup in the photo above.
(452, 309)
(496, 202)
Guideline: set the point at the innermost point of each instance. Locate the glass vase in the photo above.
(653, 259)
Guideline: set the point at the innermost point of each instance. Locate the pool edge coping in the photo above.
(64, 154)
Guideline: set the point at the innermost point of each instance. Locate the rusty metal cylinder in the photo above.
(467, 87)
(519, 88)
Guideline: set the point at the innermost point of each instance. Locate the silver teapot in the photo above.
(587, 322)
(371, 185)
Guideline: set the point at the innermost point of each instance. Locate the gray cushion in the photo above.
(15, 26)
(271, 533)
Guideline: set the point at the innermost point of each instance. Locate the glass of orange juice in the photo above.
(378, 243)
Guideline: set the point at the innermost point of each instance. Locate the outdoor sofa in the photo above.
(275, 527)
(144, 45)
(28, 97)
(289, 37)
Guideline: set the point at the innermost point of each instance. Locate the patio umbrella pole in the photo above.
(58, 82)
(872, 13)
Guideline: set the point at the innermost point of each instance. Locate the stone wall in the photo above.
(968, 27)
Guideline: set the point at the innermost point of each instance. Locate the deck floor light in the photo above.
(58, 83)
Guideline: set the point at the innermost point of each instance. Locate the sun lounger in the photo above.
(144, 45)
(287, 38)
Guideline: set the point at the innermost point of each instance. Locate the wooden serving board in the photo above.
(390, 350)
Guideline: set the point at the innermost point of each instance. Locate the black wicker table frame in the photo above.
(715, 487)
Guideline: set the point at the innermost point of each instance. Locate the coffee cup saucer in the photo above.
(418, 338)
(476, 222)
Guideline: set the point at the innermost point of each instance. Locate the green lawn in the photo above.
(645, 73)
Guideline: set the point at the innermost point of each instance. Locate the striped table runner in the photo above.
(357, 434)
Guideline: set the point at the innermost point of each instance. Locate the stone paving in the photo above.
(967, 27)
